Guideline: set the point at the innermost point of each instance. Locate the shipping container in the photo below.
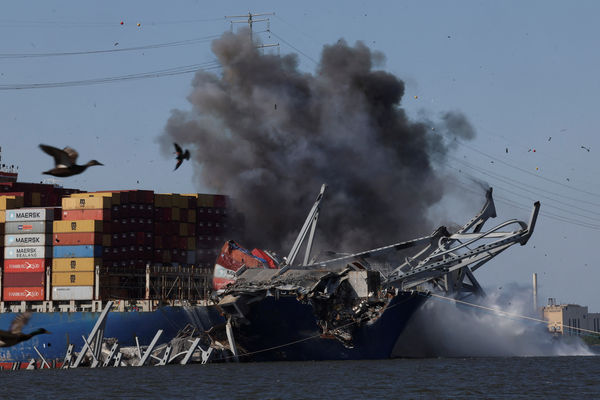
(28, 239)
(31, 293)
(28, 227)
(24, 279)
(72, 278)
(163, 200)
(114, 196)
(72, 292)
(74, 203)
(87, 214)
(80, 251)
(78, 226)
(10, 202)
(31, 214)
(27, 252)
(79, 238)
(75, 264)
(26, 265)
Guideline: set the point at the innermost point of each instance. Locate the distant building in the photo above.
(570, 319)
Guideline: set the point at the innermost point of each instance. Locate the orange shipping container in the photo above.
(77, 226)
(72, 278)
(97, 214)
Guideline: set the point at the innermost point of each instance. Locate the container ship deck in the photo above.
(66, 252)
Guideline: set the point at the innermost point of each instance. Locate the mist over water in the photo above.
(269, 135)
(442, 328)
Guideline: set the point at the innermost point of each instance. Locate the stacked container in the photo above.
(27, 250)
(78, 245)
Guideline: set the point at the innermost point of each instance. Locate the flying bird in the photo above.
(15, 335)
(586, 148)
(64, 161)
(181, 155)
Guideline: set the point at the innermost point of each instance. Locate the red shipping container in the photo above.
(97, 214)
(23, 293)
(24, 279)
(26, 265)
(77, 238)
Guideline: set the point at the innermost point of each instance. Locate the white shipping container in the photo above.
(11, 253)
(72, 293)
(28, 239)
(28, 227)
(30, 214)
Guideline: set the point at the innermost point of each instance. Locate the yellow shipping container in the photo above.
(191, 217)
(206, 200)
(11, 202)
(115, 197)
(175, 214)
(72, 278)
(88, 203)
(163, 200)
(183, 229)
(182, 201)
(75, 264)
(2, 218)
(36, 199)
(191, 243)
(82, 225)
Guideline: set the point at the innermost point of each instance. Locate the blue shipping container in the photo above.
(86, 250)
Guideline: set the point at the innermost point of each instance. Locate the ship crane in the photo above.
(446, 261)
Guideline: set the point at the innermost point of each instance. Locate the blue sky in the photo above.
(522, 73)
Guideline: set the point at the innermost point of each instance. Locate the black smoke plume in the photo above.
(269, 135)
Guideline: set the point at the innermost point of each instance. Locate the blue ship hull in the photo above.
(285, 329)
(69, 327)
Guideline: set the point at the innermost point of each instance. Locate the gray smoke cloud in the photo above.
(269, 135)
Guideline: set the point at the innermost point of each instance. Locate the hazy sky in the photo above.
(524, 73)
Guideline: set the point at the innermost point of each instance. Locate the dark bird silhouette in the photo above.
(15, 334)
(586, 148)
(64, 161)
(181, 155)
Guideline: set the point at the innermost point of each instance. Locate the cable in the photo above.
(509, 314)
(526, 171)
(144, 75)
(135, 48)
(540, 195)
(293, 47)
(104, 24)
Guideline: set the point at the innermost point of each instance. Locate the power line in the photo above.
(97, 24)
(116, 50)
(526, 171)
(293, 47)
(144, 75)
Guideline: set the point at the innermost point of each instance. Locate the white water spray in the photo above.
(442, 328)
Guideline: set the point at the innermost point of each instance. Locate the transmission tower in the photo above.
(250, 20)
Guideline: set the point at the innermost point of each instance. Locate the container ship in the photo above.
(66, 253)
(350, 306)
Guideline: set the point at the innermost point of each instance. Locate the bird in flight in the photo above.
(586, 148)
(64, 161)
(181, 155)
(15, 335)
